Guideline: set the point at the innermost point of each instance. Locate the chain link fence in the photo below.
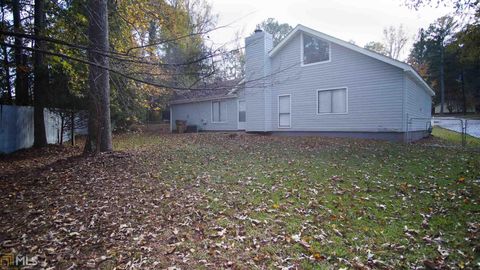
(448, 130)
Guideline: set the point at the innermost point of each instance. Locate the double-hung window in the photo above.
(284, 117)
(219, 112)
(332, 101)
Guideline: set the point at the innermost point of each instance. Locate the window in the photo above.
(314, 50)
(242, 111)
(284, 111)
(219, 112)
(332, 101)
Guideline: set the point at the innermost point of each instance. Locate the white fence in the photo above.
(16, 127)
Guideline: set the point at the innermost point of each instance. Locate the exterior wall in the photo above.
(200, 114)
(257, 66)
(374, 91)
(241, 93)
(16, 128)
(418, 107)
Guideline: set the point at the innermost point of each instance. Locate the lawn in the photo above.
(455, 138)
(211, 201)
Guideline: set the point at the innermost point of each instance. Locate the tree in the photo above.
(376, 47)
(467, 45)
(439, 34)
(232, 63)
(6, 94)
(21, 67)
(154, 47)
(278, 30)
(395, 40)
(40, 84)
(459, 5)
(99, 127)
(449, 62)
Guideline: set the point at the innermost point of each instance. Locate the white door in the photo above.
(242, 114)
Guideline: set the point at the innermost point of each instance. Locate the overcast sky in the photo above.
(358, 20)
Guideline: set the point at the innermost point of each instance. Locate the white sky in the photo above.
(358, 20)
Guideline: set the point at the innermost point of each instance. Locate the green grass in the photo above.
(454, 137)
(345, 198)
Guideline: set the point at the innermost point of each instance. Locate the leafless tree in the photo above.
(395, 40)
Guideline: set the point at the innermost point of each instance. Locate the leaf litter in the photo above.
(243, 202)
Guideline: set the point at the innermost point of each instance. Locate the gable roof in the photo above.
(404, 66)
(210, 91)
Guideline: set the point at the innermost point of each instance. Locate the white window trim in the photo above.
(290, 110)
(226, 112)
(330, 89)
(316, 63)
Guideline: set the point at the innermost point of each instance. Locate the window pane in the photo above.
(324, 101)
(315, 50)
(223, 112)
(284, 104)
(339, 99)
(284, 120)
(242, 116)
(216, 111)
(242, 106)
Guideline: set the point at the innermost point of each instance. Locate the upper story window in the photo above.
(314, 50)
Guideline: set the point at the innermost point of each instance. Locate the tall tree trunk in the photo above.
(6, 64)
(464, 96)
(62, 125)
(442, 77)
(72, 127)
(21, 74)
(40, 83)
(99, 128)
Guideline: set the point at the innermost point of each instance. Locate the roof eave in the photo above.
(404, 66)
(428, 89)
(194, 100)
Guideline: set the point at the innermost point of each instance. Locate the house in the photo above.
(313, 83)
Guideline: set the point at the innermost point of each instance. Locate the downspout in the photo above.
(266, 71)
(171, 119)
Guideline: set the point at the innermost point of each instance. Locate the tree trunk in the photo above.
(99, 128)
(442, 77)
(21, 78)
(62, 125)
(72, 127)
(6, 64)
(40, 83)
(464, 96)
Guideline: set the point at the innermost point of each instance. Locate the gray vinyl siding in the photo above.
(198, 113)
(257, 66)
(241, 93)
(375, 90)
(418, 107)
